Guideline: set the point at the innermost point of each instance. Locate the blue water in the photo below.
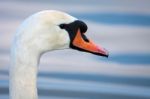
(134, 81)
(80, 94)
(127, 58)
(116, 18)
(127, 80)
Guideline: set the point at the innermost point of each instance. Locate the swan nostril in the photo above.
(84, 37)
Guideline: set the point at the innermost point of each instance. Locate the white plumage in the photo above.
(37, 34)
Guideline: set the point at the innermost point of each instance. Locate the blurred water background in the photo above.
(121, 26)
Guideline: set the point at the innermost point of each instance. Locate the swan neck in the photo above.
(23, 74)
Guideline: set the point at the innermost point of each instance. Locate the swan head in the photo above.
(79, 41)
(51, 30)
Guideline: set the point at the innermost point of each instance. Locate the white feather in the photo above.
(37, 34)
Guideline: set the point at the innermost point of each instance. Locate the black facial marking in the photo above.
(83, 27)
(73, 27)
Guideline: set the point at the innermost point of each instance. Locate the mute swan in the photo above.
(44, 31)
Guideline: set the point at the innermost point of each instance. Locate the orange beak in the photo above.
(88, 46)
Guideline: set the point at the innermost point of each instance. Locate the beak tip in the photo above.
(105, 52)
(107, 55)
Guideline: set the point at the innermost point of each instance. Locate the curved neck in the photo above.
(23, 74)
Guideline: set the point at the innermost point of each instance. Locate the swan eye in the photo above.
(72, 28)
(62, 26)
